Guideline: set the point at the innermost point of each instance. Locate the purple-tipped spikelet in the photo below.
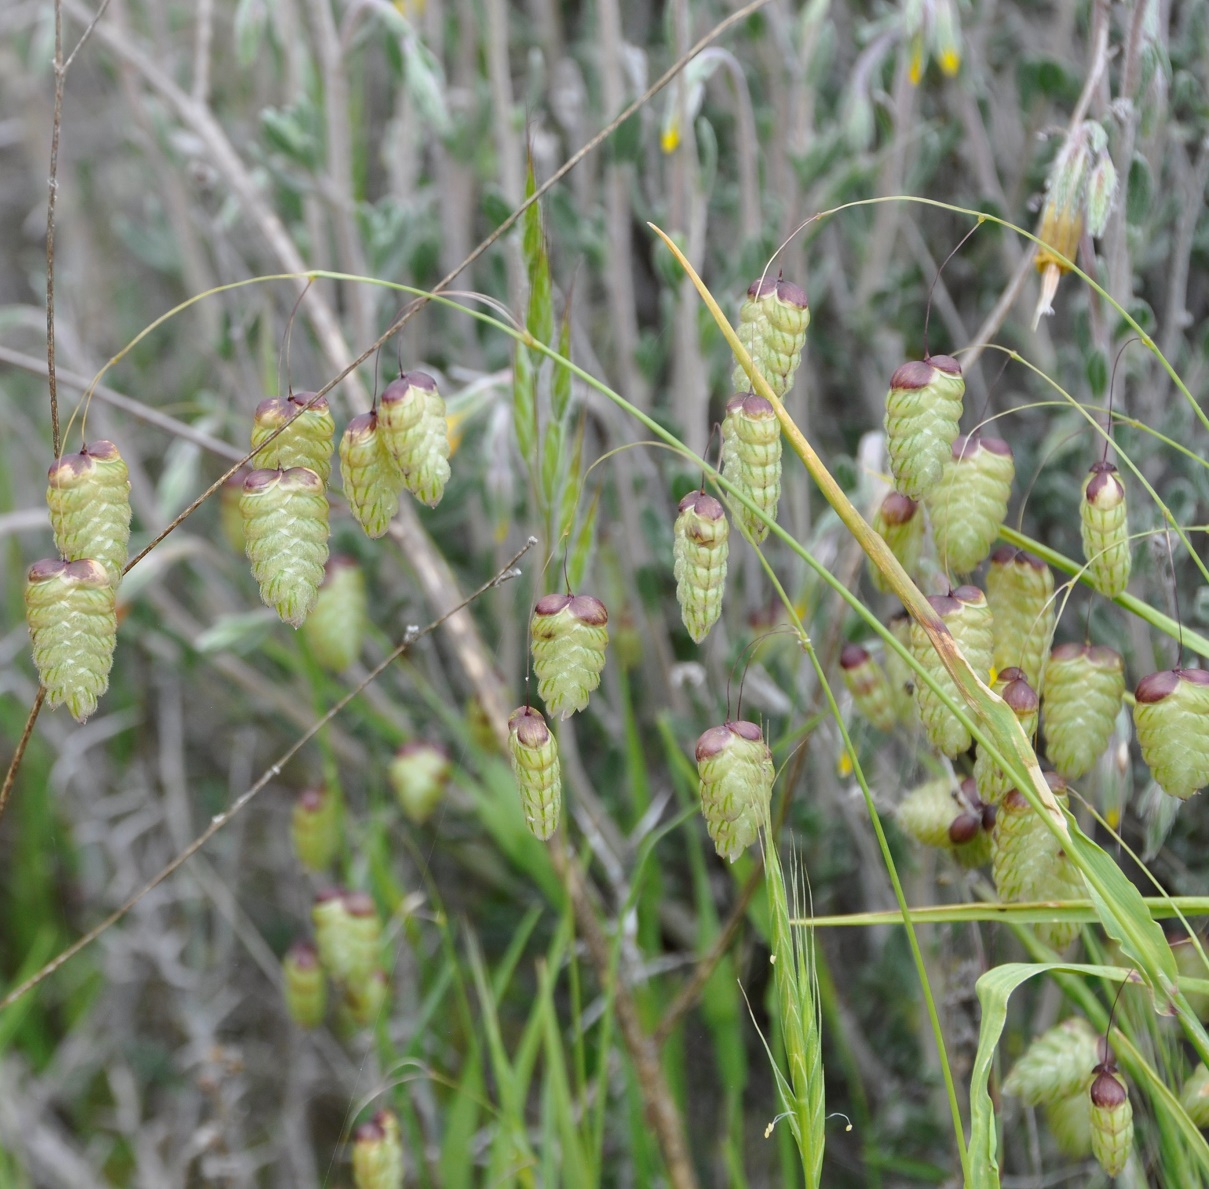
(416, 434)
(418, 775)
(308, 440)
(1083, 691)
(772, 327)
(286, 531)
(570, 635)
(751, 459)
(348, 934)
(1104, 525)
(305, 985)
(900, 675)
(923, 408)
(900, 524)
(993, 782)
(335, 629)
(869, 687)
(315, 827)
(535, 765)
(73, 626)
(1194, 1096)
(371, 479)
(378, 1153)
(1111, 1119)
(229, 515)
(949, 816)
(700, 549)
(1171, 717)
(362, 1001)
(735, 773)
(968, 618)
(89, 499)
(1057, 1064)
(969, 500)
(1020, 591)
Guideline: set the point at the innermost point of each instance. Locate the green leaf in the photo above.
(560, 382)
(577, 564)
(524, 403)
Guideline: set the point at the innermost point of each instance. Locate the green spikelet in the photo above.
(538, 773)
(1104, 522)
(306, 443)
(923, 408)
(1111, 1120)
(570, 634)
(751, 459)
(371, 480)
(900, 675)
(329, 916)
(335, 629)
(869, 686)
(735, 774)
(1194, 1097)
(700, 550)
(1028, 863)
(305, 985)
(89, 499)
(229, 515)
(361, 1003)
(418, 774)
(968, 618)
(1084, 688)
(1171, 717)
(315, 827)
(948, 816)
(73, 625)
(899, 523)
(1057, 1065)
(378, 1153)
(1020, 590)
(772, 327)
(285, 527)
(1069, 1121)
(348, 934)
(969, 501)
(416, 434)
(993, 782)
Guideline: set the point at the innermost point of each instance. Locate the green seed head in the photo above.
(305, 985)
(1171, 717)
(378, 1153)
(418, 775)
(1084, 689)
(901, 525)
(1057, 1065)
(735, 775)
(306, 441)
(535, 765)
(335, 629)
(923, 408)
(700, 551)
(570, 634)
(772, 327)
(416, 434)
(1111, 1120)
(1105, 530)
(969, 501)
(751, 459)
(1020, 591)
(1194, 1097)
(315, 827)
(869, 686)
(371, 479)
(89, 499)
(993, 782)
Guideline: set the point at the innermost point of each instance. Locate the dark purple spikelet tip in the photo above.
(970, 595)
(590, 610)
(946, 364)
(912, 375)
(1104, 657)
(529, 727)
(312, 800)
(259, 481)
(370, 1133)
(1195, 676)
(360, 904)
(968, 793)
(852, 656)
(303, 955)
(1010, 674)
(989, 813)
(328, 895)
(1014, 801)
(86, 572)
(996, 446)
(718, 739)
(702, 505)
(1067, 651)
(1031, 560)
(396, 391)
(757, 407)
(47, 569)
(338, 562)
(69, 469)
(1106, 1091)
(301, 479)
(791, 294)
(898, 508)
(362, 425)
(945, 605)
(1057, 784)
(551, 604)
(1156, 686)
(102, 450)
(1104, 483)
(761, 287)
(273, 411)
(420, 380)
(1005, 555)
(309, 402)
(236, 479)
(1021, 697)
(964, 827)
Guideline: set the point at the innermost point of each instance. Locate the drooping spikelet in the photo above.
(1084, 688)
(378, 1153)
(900, 524)
(315, 827)
(1194, 1096)
(949, 815)
(538, 773)
(1111, 1119)
(970, 500)
(335, 629)
(570, 634)
(700, 549)
(1171, 717)
(72, 619)
(993, 782)
(286, 530)
(751, 459)
(308, 440)
(418, 775)
(1057, 1064)
(329, 916)
(1103, 519)
(89, 499)
(735, 772)
(1020, 590)
(772, 326)
(229, 515)
(371, 479)
(968, 618)
(900, 675)
(305, 985)
(923, 408)
(1069, 1121)
(869, 686)
(348, 934)
(412, 422)
(362, 1002)
(1028, 862)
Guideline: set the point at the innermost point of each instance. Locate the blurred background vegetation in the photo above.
(208, 142)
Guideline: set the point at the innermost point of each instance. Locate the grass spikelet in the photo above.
(305, 985)
(751, 459)
(1104, 526)
(700, 550)
(969, 501)
(315, 827)
(89, 499)
(923, 409)
(1171, 717)
(772, 327)
(1084, 688)
(416, 434)
(1057, 1065)
(899, 673)
(869, 686)
(73, 626)
(378, 1153)
(1020, 590)
(308, 440)
(1023, 702)
(335, 629)
(900, 524)
(1111, 1119)
(570, 635)
(1194, 1096)
(418, 775)
(735, 773)
(948, 816)
(535, 765)
(371, 479)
